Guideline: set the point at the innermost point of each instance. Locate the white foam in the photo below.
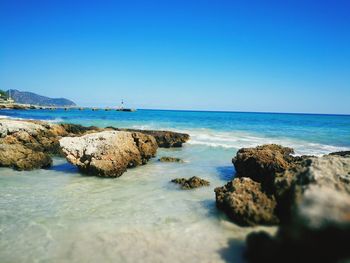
(56, 120)
(10, 118)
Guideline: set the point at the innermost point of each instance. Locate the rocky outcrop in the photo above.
(108, 153)
(166, 159)
(254, 201)
(318, 229)
(245, 203)
(28, 144)
(263, 163)
(24, 145)
(165, 139)
(20, 157)
(193, 182)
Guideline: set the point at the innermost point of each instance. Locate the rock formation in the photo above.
(263, 163)
(27, 145)
(108, 153)
(165, 139)
(193, 182)
(166, 159)
(254, 202)
(245, 203)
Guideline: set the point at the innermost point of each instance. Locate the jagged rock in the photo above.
(166, 159)
(168, 139)
(193, 182)
(108, 153)
(245, 203)
(165, 139)
(38, 140)
(318, 229)
(263, 162)
(20, 157)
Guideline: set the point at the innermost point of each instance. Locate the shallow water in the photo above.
(59, 215)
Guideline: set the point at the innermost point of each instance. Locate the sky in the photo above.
(272, 56)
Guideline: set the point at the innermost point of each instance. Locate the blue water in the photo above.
(59, 215)
(321, 133)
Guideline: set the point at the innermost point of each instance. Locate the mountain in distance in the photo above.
(25, 97)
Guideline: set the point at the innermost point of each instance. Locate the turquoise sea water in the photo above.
(59, 215)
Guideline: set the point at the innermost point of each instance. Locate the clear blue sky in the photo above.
(285, 56)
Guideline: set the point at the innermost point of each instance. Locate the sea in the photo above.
(60, 215)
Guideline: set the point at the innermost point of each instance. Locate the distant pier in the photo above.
(17, 106)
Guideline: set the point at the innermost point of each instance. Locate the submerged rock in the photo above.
(193, 182)
(166, 159)
(245, 203)
(108, 153)
(318, 229)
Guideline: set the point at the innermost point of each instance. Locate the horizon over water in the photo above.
(59, 215)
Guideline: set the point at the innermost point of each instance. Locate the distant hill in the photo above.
(25, 97)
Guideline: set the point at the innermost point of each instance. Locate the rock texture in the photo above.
(166, 159)
(258, 200)
(108, 153)
(262, 163)
(26, 145)
(245, 203)
(318, 229)
(193, 182)
(20, 157)
(165, 139)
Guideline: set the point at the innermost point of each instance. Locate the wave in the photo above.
(238, 140)
(56, 120)
(10, 118)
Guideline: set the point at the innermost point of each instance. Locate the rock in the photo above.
(245, 203)
(262, 163)
(165, 139)
(318, 229)
(170, 160)
(37, 141)
(20, 157)
(193, 182)
(108, 153)
(79, 129)
(20, 147)
(342, 153)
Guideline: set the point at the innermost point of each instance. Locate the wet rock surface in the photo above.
(108, 153)
(191, 183)
(166, 159)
